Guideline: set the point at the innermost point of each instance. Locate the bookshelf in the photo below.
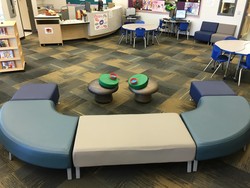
(11, 54)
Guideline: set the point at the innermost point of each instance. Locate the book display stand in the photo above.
(11, 54)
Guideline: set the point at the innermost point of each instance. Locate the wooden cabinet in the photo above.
(11, 54)
(49, 30)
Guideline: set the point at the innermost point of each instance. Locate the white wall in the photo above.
(208, 12)
(56, 3)
(6, 14)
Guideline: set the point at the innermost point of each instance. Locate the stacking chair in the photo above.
(243, 65)
(162, 27)
(183, 28)
(230, 38)
(123, 33)
(139, 22)
(140, 33)
(227, 53)
(217, 57)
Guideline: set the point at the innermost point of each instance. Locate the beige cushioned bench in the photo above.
(132, 139)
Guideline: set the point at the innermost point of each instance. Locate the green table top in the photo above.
(106, 82)
(138, 81)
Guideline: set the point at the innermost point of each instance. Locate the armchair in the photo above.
(206, 31)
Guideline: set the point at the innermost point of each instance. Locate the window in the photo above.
(227, 7)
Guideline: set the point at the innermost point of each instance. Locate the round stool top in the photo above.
(152, 87)
(96, 88)
(138, 81)
(106, 81)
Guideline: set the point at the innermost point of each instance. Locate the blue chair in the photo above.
(217, 57)
(228, 53)
(206, 31)
(230, 38)
(123, 33)
(183, 28)
(139, 22)
(162, 27)
(140, 33)
(243, 65)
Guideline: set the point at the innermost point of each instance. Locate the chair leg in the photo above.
(157, 40)
(208, 65)
(239, 76)
(145, 42)
(216, 70)
(120, 40)
(178, 35)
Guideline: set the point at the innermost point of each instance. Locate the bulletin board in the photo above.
(90, 1)
(191, 6)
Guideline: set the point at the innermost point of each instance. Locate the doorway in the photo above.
(245, 28)
(27, 16)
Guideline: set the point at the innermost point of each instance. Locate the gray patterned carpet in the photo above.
(173, 64)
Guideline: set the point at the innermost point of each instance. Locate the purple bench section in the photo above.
(199, 89)
(38, 91)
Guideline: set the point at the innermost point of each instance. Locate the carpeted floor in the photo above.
(173, 64)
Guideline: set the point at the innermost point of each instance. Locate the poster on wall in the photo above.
(192, 8)
(158, 5)
(101, 21)
(147, 4)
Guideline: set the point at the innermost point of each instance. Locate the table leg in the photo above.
(131, 36)
(237, 68)
(126, 36)
(228, 62)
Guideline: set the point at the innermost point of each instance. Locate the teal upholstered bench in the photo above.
(33, 131)
(220, 125)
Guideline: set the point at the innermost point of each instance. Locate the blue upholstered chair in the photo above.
(183, 28)
(245, 64)
(140, 33)
(206, 31)
(216, 57)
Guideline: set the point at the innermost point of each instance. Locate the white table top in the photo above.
(236, 46)
(147, 27)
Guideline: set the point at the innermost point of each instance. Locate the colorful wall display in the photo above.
(101, 21)
(191, 6)
(158, 6)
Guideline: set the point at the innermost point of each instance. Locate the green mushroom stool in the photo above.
(104, 87)
(142, 87)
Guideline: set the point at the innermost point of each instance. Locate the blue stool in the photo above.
(199, 89)
(48, 91)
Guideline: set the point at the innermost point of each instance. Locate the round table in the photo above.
(102, 95)
(239, 47)
(145, 95)
(132, 28)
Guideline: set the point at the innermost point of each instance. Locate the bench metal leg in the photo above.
(77, 172)
(10, 156)
(195, 166)
(189, 166)
(69, 173)
(245, 148)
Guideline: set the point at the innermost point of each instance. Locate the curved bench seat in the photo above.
(220, 125)
(36, 133)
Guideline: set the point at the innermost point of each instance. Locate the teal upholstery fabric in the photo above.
(34, 132)
(220, 125)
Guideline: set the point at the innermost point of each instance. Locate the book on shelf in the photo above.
(6, 54)
(4, 43)
(3, 31)
(8, 65)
